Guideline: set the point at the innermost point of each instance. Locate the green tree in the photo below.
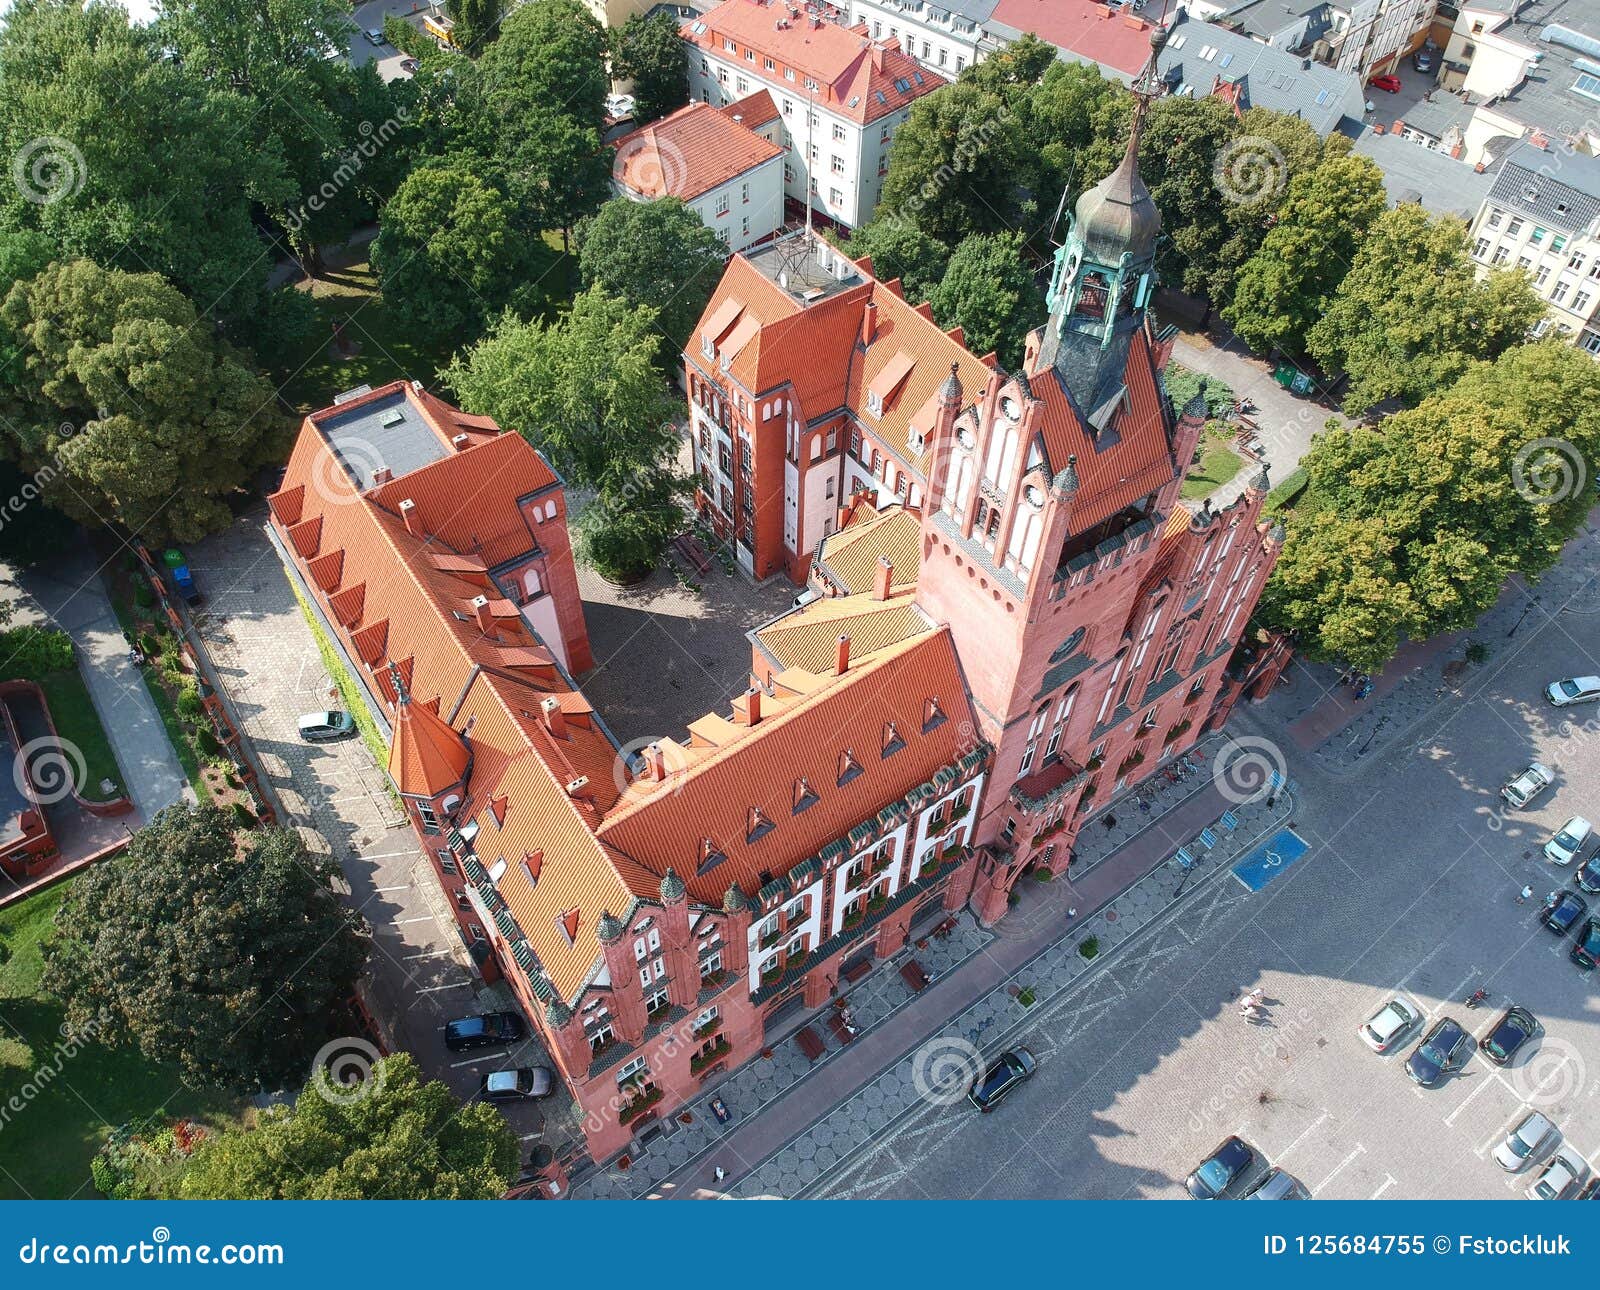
(585, 390)
(1411, 315)
(1412, 528)
(555, 170)
(130, 158)
(1071, 120)
(223, 954)
(656, 253)
(901, 250)
(477, 23)
(989, 292)
(394, 1136)
(1286, 285)
(649, 52)
(140, 412)
(549, 61)
(448, 253)
(957, 165)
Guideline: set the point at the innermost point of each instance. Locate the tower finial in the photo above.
(399, 683)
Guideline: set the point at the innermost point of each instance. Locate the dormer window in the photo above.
(804, 795)
(874, 403)
(892, 742)
(849, 768)
(710, 857)
(708, 347)
(757, 826)
(932, 716)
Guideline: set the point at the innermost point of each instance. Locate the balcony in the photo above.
(709, 1056)
(640, 1104)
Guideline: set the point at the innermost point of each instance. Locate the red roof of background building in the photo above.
(855, 76)
(690, 153)
(1108, 36)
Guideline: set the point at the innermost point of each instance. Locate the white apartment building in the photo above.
(946, 37)
(840, 95)
(1543, 216)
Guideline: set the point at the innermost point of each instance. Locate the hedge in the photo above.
(32, 653)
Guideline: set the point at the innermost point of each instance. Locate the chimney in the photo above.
(480, 606)
(752, 705)
(877, 58)
(842, 665)
(883, 579)
(869, 323)
(408, 512)
(655, 763)
(576, 787)
(382, 475)
(555, 720)
(461, 442)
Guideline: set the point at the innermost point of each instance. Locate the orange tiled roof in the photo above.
(752, 111)
(809, 637)
(808, 725)
(851, 555)
(855, 76)
(689, 153)
(426, 756)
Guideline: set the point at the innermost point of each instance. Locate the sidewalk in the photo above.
(866, 1084)
(74, 597)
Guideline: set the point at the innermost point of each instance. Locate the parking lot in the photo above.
(1408, 889)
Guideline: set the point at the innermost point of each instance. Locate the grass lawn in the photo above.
(69, 1096)
(1218, 464)
(1183, 384)
(78, 723)
(308, 375)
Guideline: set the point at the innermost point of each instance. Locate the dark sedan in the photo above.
(1516, 1026)
(1220, 1170)
(1586, 949)
(1440, 1050)
(1013, 1066)
(1564, 912)
(1588, 875)
(489, 1030)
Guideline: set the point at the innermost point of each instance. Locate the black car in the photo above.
(1586, 949)
(1423, 60)
(518, 1085)
(1438, 1052)
(1013, 1066)
(1218, 1171)
(1516, 1026)
(1591, 1190)
(1564, 913)
(488, 1030)
(1588, 875)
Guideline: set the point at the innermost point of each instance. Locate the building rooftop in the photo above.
(1084, 31)
(691, 152)
(1565, 36)
(1561, 190)
(372, 434)
(793, 265)
(1433, 180)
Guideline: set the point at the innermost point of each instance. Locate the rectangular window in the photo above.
(1580, 302)
(838, 130)
(1541, 275)
(837, 164)
(1494, 219)
(835, 197)
(1481, 249)
(1501, 255)
(742, 85)
(1515, 226)
(722, 204)
(1560, 293)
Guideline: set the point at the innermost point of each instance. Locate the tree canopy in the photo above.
(649, 51)
(148, 416)
(899, 249)
(989, 292)
(1411, 314)
(477, 22)
(393, 1137)
(656, 253)
(1412, 528)
(220, 953)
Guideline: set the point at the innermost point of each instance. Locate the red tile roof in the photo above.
(690, 153)
(1109, 36)
(753, 111)
(855, 76)
(426, 756)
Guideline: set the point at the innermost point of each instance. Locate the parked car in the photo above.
(1560, 1177)
(1564, 912)
(487, 1030)
(1438, 1052)
(518, 1084)
(1526, 785)
(1424, 60)
(620, 107)
(320, 727)
(1591, 1190)
(374, 36)
(1577, 689)
(1218, 1171)
(1388, 84)
(408, 65)
(1527, 1138)
(1011, 1069)
(1569, 840)
(1278, 1185)
(1387, 1026)
(1516, 1026)
(1586, 949)
(1588, 875)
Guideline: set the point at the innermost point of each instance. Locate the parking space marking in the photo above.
(434, 989)
(1389, 1180)
(429, 954)
(1339, 1168)
(1301, 1136)
(1450, 1120)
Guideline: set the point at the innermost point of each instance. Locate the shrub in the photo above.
(190, 706)
(1089, 947)
(1026, 996)
(244, 815)
(1044, 873)
(210, 745)
(32, 653)
(1477, 652)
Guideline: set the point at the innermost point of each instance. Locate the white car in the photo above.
(1386, 1026)
(1526, 785)
(1560, 1177)
(1568, 841)
(1577, 689)
(1533, 1133)
(619, 106)
(374, 36)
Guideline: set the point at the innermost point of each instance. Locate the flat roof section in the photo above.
(384, 433)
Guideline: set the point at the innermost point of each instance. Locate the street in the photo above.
(1408, 890)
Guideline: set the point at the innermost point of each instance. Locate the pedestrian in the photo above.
(719, 1173)
(1072, 912)
(1255, 997)
(1522, 896)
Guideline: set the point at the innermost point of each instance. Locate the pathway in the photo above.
(73, 596)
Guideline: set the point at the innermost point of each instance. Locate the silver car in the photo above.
(1278, 1185)
(1560, 1177)
(1576, 689)
(1386, 1026)
(1532, 1134)
(1526, 785)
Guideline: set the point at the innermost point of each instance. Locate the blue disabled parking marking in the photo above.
(1270, 859)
